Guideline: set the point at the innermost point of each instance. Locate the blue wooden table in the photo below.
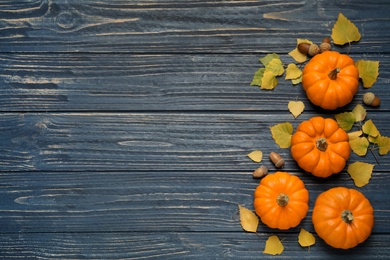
(125, 125)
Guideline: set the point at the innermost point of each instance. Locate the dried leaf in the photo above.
(293, 72)
(384, 145)
(354, 135)
(268, 81)
(273, 246)
(369, 128)
(346, 120)
(306, 238)
(257, 78)
(248, 219)
(256, 156)
(275, 66)
(368, 72)
(282, 133)
(359, 145)
(360, 172)
(373, 140)
(296, 108)
(360, 113)
(297, 80)
(344, 31)
(298, 56)
(268, 58)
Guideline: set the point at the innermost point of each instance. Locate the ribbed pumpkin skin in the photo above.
(267, 208)
(330, 93)
(305, 152)
(329, 224)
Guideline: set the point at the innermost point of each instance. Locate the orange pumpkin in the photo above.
(330, 79)
(343, 217)
(281, 200)
(320, 146)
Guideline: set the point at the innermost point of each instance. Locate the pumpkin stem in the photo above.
(333, 73)
(347, 216)
(282, 199)
(321, 144)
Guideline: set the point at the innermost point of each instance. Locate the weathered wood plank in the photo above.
(116, 82)
(155, 201)
(182, 27)
(174, 245)
(147, 141)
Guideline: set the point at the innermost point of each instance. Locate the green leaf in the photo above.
(370, 129)
(268, 58)
(359, 145)
(384, 145)
(360, 172)
(282, 133)
(360, 113)
(258, 77)
(275, 66)
(346, 120)
(368, 72)
(344, 31)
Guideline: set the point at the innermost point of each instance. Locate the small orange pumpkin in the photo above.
(343, 217)
(320, 146)
(330, 79)
(281, 200)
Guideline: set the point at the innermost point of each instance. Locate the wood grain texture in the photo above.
(125, 125)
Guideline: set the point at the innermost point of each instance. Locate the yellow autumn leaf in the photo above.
(369, 128)
(373, 140)
(354, 135)
(368, 72)
(359, 145)
(293, 72)
(296, 108)
(346, 120)
(268, 58)
(256, 156)
(296, 55)
(344, 31)
(273, 246)
(297, 80)
(383, 144)
(306, 238)
(275, 66)
(282, 133)
(248, 219)
(360, 173)
(268, 81)
(360, 113)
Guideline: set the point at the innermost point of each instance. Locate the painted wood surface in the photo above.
(125, 125)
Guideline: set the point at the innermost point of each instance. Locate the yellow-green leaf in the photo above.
(373, 140)
(346, 120)
(293, 72)
(275, 66)
(359, 145)
(298, 56)
(368, 72)
(296, 107)
(360, 172)
(297, 80)
(384, 145)
(305, 238)
(268, 58)
(273, 246)
(369, 128)
(344, 31)
(257, 78)
(354, 135)
(360, 113)
(282, 133)
(268, 81)
(248, 219)
(256, 155)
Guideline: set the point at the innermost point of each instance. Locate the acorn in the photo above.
(276, 159)
(325, 45)
(260, 172)
(307, 48)
(370, 99)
